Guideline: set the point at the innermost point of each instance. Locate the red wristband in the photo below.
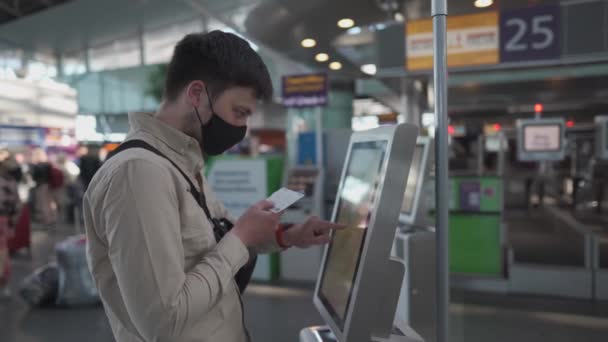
(278, 234)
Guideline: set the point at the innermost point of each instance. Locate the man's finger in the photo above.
(270, 215)
(321, 239)
(264, 205)
(327, 226)
(316, 222)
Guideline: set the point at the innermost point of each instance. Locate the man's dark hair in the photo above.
(221, 60)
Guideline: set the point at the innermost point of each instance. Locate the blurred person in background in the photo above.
(45, 208)
(63, 190)
(89, 164)
(13, 167)
(9, 212)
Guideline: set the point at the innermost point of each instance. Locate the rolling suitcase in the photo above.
(22, 237)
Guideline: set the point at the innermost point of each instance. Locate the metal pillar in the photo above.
(404, 101)
(480, 155)
(59, 65)
(320, 195)
(141, 45)
(87, 57)
(440, 13)
(501, 155)
(319, 136)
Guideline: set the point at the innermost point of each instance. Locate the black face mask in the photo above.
(218, 135)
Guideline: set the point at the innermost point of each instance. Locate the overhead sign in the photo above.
(308, 90)
(21, 135)
(472, 40)
(530, 34)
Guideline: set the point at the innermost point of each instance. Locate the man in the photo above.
(158, 268)
(9, 214)
(89, 164)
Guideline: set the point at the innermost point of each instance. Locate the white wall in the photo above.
(37, 103)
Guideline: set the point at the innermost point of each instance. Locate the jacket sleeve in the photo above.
(141, 218)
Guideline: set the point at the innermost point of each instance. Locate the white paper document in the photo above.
(283, 199)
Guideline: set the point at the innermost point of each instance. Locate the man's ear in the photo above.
(194, 92)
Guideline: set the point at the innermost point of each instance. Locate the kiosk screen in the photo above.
(355, 206)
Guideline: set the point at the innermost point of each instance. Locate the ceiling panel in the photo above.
(11, 10)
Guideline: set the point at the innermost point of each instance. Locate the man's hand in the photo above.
(312, 232)
(257, 226)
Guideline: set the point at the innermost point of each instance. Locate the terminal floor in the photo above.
(277, 313)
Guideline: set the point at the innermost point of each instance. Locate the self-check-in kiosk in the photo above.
(359, 283)
(415, 247)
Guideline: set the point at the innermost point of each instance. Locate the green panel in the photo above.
(491, 194)
(475, 244)
(275, 266)
(454, 194)
(274, 169)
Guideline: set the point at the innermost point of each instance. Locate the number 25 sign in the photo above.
(530, 34)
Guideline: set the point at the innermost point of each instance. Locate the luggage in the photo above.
(5, 266)
(40, 288)
(76, 285)
(22, 237)
(67, 283)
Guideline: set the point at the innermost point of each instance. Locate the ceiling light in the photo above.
(354, 30)
(369, 69)
(399, 17)
(322, 57)
(335, 65)
(309, 42)
(483, 3)
(346, 23)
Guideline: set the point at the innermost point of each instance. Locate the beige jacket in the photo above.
(159, 271)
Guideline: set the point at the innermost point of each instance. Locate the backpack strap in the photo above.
(199, 197)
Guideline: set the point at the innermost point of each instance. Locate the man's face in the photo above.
(235, 105)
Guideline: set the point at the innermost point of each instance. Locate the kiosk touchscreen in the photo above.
(601, 137)
(541, 139)
(412, 207)
(358, 285)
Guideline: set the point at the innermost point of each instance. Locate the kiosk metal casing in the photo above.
(375, 287)
(413, 210)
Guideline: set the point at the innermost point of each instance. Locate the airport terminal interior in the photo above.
(476, 214)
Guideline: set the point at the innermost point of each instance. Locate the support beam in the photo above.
(439, 12)
(9, 10)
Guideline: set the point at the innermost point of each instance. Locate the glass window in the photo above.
(121, 53)
(11, 58)
(160, 42)
(74, 63)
